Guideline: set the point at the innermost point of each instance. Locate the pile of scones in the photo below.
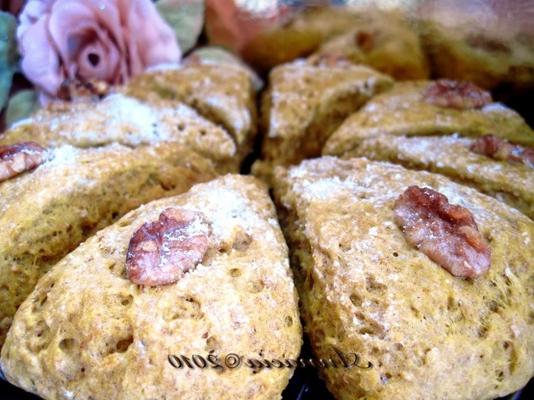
(355, 200)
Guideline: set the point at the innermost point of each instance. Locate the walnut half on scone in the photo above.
(203, 273)
(372, 246)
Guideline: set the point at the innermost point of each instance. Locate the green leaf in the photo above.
(186, 17)
(8, 54)
(21, 105)
(218, 55)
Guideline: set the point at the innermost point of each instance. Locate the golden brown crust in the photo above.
(485, 55)
(383, 41)
(87, 331)
(298, 37)
(47, 212)
(404, 111)
(223, 94)
(305, 103)
(511, 182)
(128, 121)
(364, 289)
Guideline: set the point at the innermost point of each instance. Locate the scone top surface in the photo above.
(223, 94)
(404, 111)
(511, 181)
(364, 289)
(384, 41)
(466, 45)
(126, 120)
(89, 331)
(306, 101)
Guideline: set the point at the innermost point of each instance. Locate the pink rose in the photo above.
(103, 40)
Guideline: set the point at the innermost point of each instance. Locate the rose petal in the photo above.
(150, 40)
(41, 63)
(33, 10)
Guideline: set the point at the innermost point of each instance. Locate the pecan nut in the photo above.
(18, 158)
(456, 94)
(161, 252)
(500, 149)
(446, 233)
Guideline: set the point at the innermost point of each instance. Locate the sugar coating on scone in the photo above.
(47, 212)
(509, 181)
(365, 289)
(88, 331)
(126, 120)
(223, 94)
(404, 110)
(305, 103)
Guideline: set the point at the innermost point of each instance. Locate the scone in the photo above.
(487, 47)
(440, 107)
(298, 37)
(70, 193)
(305, 103)
(366, 289)
(384, 41)
(102, 325)
(129, 121)
(223, 94)
(461, 159)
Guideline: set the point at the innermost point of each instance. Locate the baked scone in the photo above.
(223, 94)
(488, 47)
(126, 120)
(385, 42)
(305, 103)
(430, 108)
(366, 290)
(47, 212)
(509, 181)
(89, 332)
(298, 37)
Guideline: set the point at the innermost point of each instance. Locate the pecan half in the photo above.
(447, 234)
(18, 158)
(500, 149)
(456, 94)
(161, 252)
